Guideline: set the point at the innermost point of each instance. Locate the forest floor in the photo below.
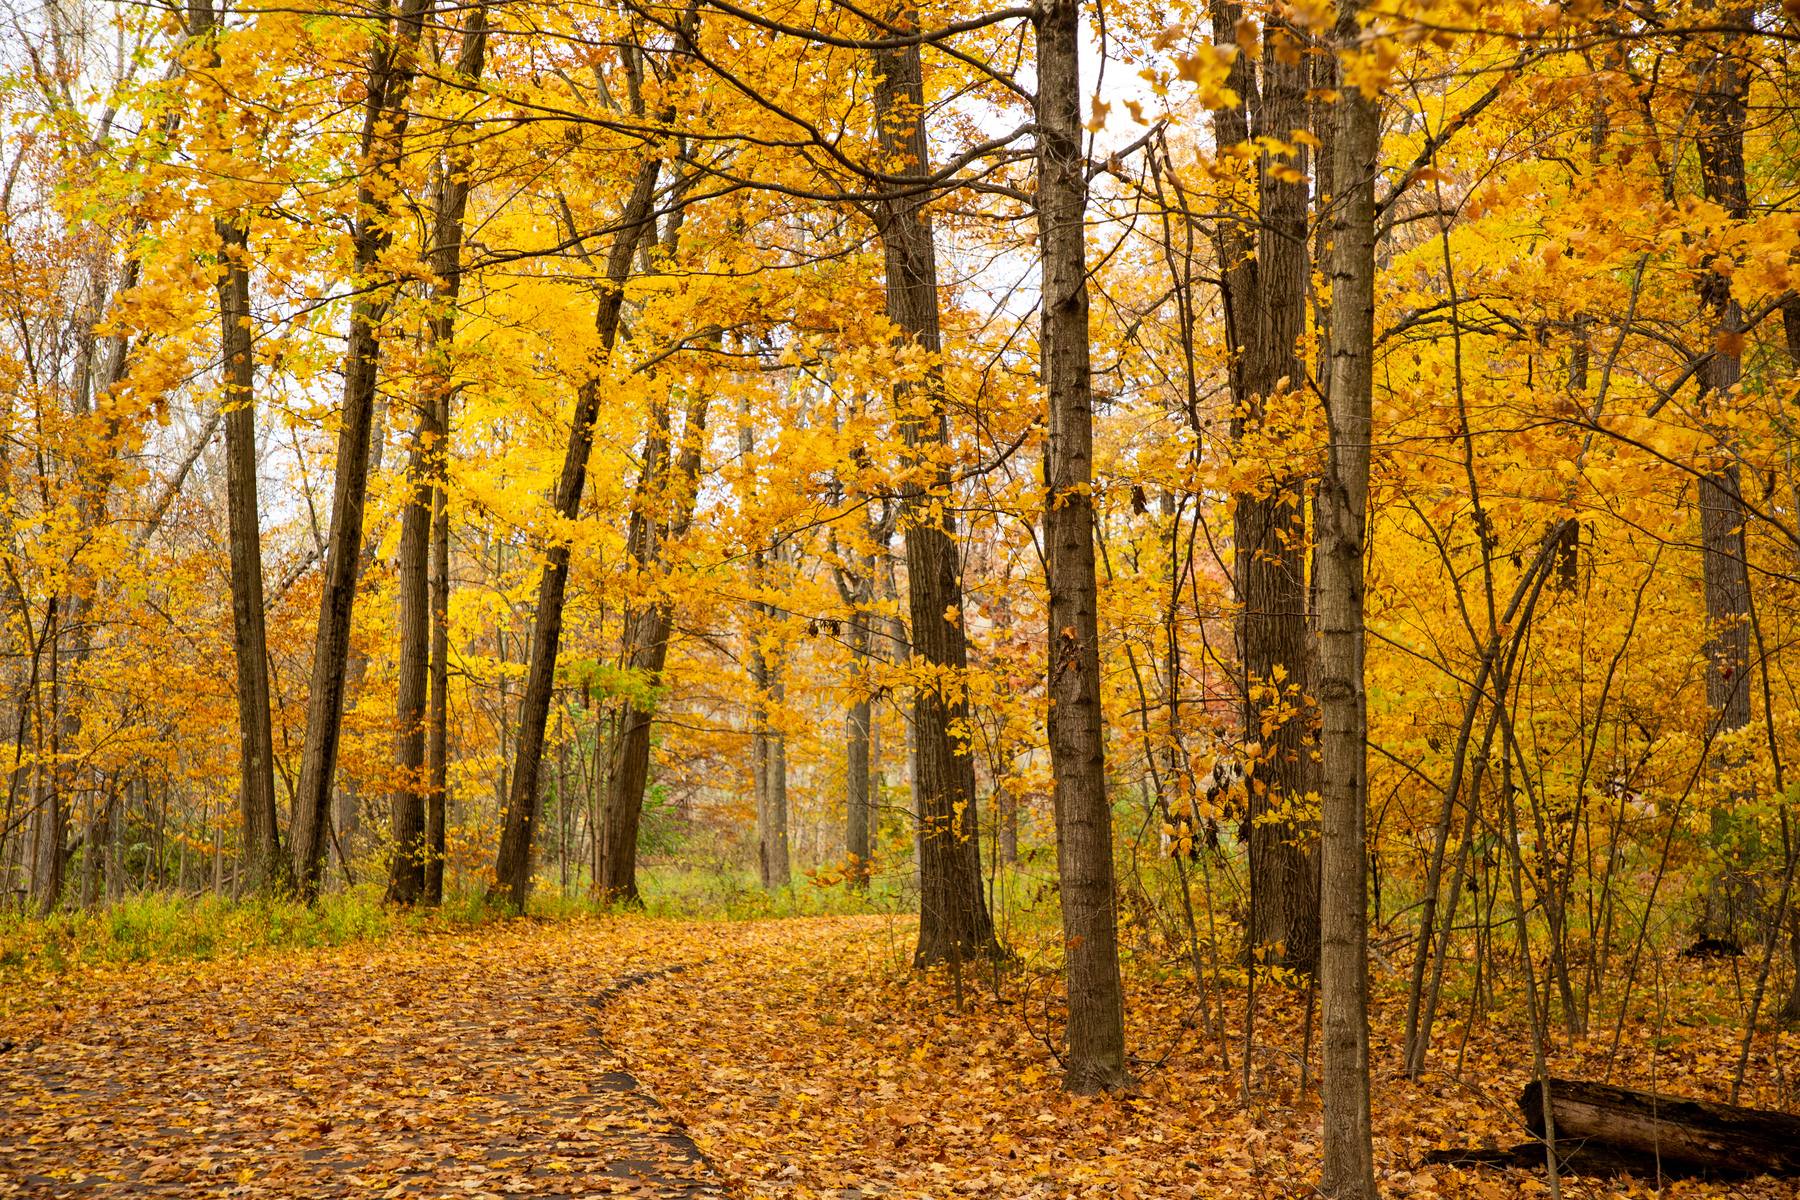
(792, 1058)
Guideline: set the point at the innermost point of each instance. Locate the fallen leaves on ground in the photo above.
(810, 1061)
(456, 1066)
(803, 1056)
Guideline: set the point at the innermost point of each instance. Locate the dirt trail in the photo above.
(462, 1069)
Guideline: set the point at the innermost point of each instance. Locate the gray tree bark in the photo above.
(772, 861)
(385, 113)
(1720, 108)
(1349, 1169)
(1084, 851)
(264, 867)
(417, 806)
(954, 922)
(437, 751)
(512, 868)
(779, 845)
(855, 574)
(646, 648)
(1265, 271)
(855, 590)
(858, 809)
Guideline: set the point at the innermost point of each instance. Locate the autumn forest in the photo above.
(1218, 510)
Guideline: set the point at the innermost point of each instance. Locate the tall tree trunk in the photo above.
(642, 643)
(661, 511)
(855, 573)
(512, 868)
(774, 852)
(877, 781)
(91, 479)
(97, 374)
(263, 865)
(900, 646)
(437, 798)
(771, 828)
(1349, 1169)
(385, 114)
(1006, 802)
(1790, 1011)
(347, 796)
(780, 846)
(953, 916)
(646, 651)
(1084, 850)
(858, 808)
(53, 812)
(406, 869)
(418, 811)
(1265, 274)
(771, 832)
(1720, 109)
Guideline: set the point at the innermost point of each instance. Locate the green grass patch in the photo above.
(170, 928)
(709, 890)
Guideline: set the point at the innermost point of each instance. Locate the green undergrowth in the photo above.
(711, 892)
(170, 928)
(57, 950)
(164, 927)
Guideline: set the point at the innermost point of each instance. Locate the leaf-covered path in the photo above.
(803, 1058)
(459, 1067)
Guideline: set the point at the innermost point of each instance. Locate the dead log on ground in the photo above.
(1695, 1133)
(1609, 1131)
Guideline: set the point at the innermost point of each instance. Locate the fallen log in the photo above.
(1680, 1132)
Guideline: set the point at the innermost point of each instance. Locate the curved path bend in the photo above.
(447, 1069)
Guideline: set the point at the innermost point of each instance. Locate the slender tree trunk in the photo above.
(900, 644)
(512, 869)
(780, 842)
(406, 870)
(647, 634)
(953, 917)
(1349, 1169)
(1084, 852)
(877, 782)
(1265, 275)
(774, 854)
(759, 740)
(771, 834)
(90, 855)
(92, 478)
(258, 824)
(347, 796)
(385, 116)
(562, 799)
(264, 865)
(418, 833)
(1720, 110)
(856, 579)
(53, 812)
(1790, 1011)
(437, 797)
(118, 810)
(1007, 801)
(858, 844)
(662, 510)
